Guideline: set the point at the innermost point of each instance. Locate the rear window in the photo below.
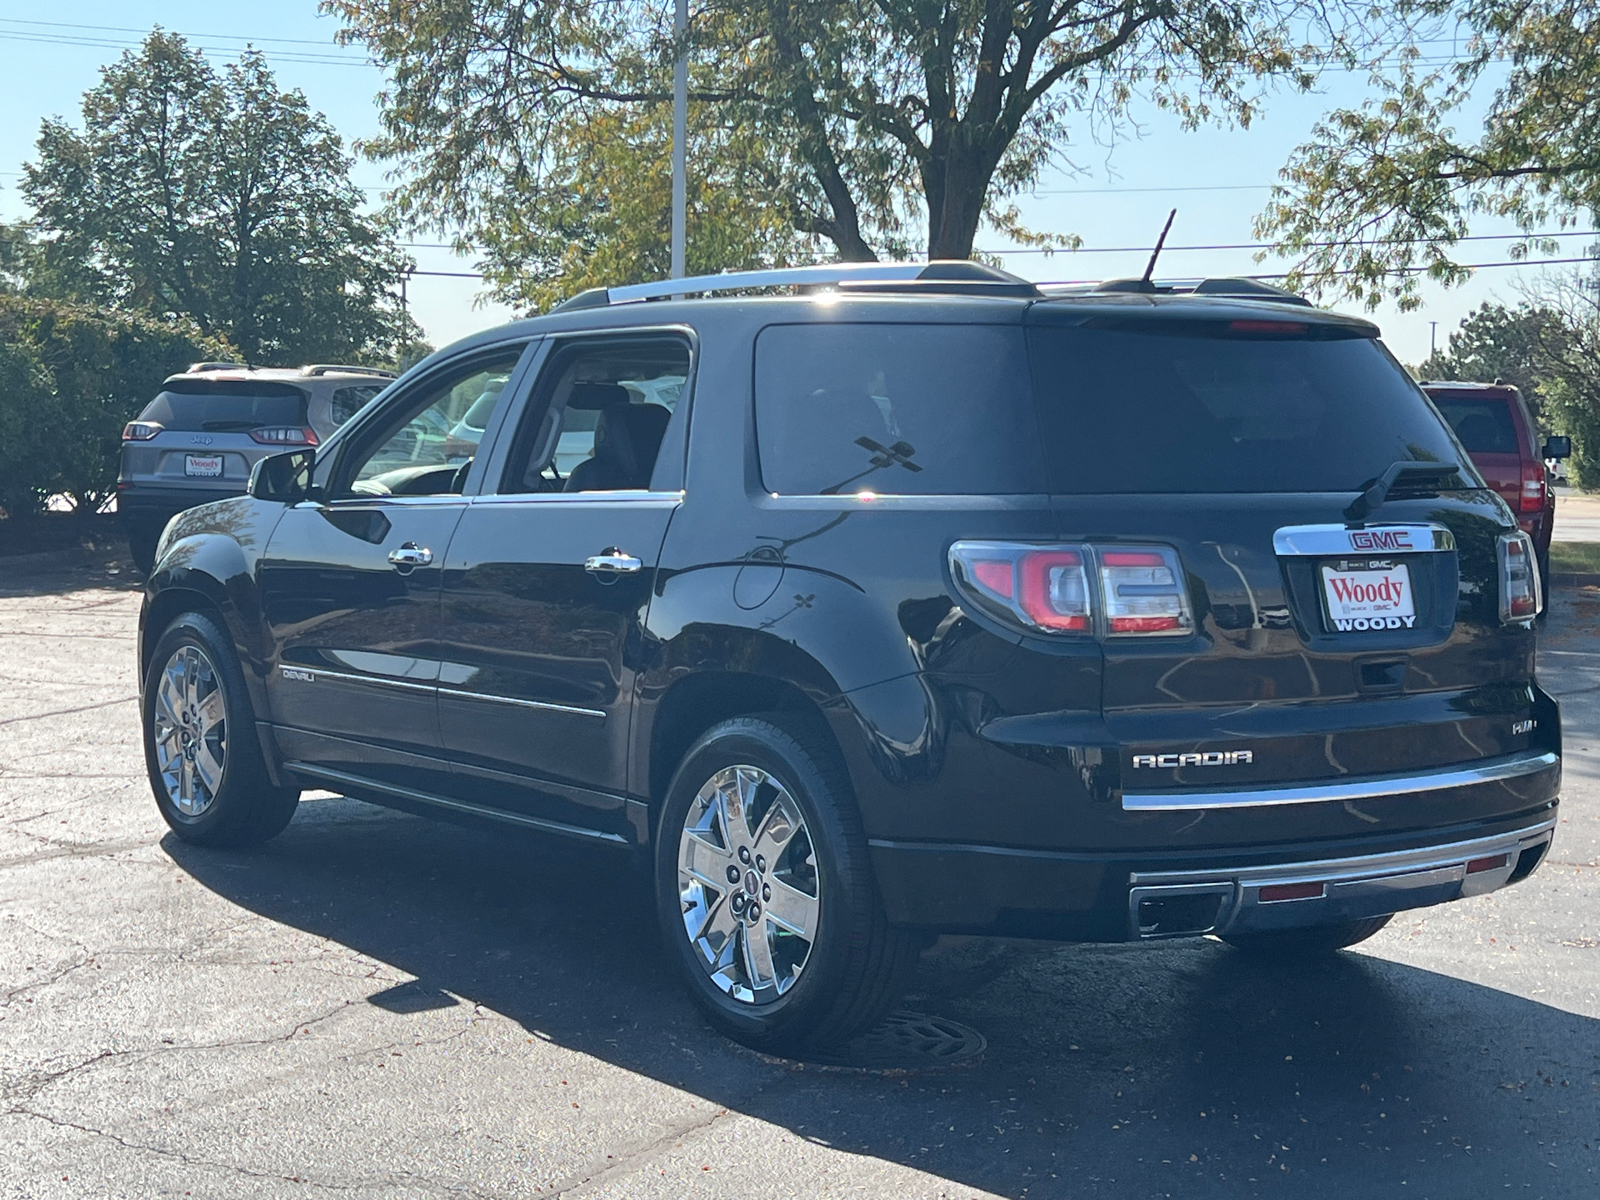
(1197, 408)
(896, 410)
(1483, 426)
(227, 407)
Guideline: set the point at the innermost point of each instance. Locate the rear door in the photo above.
(1314, 641)
(350, 584)
(548, 581)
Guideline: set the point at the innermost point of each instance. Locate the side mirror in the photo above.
(285, 478)
(1557, 446)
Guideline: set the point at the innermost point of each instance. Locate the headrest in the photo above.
(597, 395)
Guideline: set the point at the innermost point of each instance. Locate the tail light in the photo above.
(1521, 597)
(1531, 498)
(1080, 590)
(285, 435)
(140, 431)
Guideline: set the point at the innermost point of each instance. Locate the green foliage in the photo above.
(1517, 345)
(1380, 196)
(217, 199)
(70, 378)
(879, 126)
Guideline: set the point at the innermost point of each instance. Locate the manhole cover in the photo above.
(904, 1043)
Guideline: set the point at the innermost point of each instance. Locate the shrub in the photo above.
(70, 378)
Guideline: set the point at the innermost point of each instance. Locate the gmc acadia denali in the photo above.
(865, 603)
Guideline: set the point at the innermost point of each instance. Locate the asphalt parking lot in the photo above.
(375, 1005)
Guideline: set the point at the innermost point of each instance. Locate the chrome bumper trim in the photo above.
(1352, 888)
(1513, 766)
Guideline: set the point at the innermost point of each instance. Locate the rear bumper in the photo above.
(1284, 896)
(143, 507)
(1131, 896)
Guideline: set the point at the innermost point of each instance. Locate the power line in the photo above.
(1472, 237)
(226, 37)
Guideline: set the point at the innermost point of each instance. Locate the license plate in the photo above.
(208, 466)
(1367, 597)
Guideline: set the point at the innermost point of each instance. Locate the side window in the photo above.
(346, 402)
(895, 410)
(423, 449)
(600, 418)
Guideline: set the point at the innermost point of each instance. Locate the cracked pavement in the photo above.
(375, 1005)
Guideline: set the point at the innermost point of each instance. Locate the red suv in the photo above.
(1493, 424)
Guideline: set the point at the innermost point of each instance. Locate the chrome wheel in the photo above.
(747, 884)
(190, 730)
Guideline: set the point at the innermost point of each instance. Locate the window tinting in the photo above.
(1196, 409)
(1483, 426)
(234, 410)
(895, 409)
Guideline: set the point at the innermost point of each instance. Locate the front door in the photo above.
(350, 586)
(547, 584)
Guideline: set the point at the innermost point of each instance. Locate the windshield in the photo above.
(1199, 407)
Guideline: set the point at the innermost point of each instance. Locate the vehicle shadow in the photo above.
(1186, 1068)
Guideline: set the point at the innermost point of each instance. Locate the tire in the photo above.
(779, 774)
(1318, 939)
(142, 548)
(200, 745)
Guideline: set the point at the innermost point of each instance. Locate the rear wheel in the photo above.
(1318, 939)
(765, 895)
(204, 761)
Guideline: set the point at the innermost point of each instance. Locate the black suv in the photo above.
(911, 600)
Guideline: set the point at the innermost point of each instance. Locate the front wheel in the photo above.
(766, 898)
(200, 746)
(1316, 939)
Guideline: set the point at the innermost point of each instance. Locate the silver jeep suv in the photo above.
(197, 440)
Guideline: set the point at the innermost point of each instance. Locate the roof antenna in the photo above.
(1156, 253)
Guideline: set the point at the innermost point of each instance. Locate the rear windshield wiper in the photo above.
(1409, 471)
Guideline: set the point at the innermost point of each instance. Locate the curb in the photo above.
(1575, 578)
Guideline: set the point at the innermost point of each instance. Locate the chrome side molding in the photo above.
(1420, 538)
(1513, 766)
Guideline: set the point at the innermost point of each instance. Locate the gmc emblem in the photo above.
(1211, 758)
(1381, 539)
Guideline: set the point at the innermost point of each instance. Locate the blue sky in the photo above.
(1218, 179)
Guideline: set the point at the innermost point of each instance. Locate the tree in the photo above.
(857, 119)
(1381, 195)
(1516, 344)
(218, 199)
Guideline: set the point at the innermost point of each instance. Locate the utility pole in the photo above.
(405, 275)
(1433, 338)
(680, 135)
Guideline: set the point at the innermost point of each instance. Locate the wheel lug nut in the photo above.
(755, 911)
(737, 904)
(733, 873)
(761, 863)
(744, 855)
(766, 891)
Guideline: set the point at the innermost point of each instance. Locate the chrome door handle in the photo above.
(612, 562)
(411, 555)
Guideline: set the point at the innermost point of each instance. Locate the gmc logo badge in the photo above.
(1211, 758)
(1380, 539)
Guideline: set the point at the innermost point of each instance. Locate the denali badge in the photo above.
(1211, 758)
(300, 676)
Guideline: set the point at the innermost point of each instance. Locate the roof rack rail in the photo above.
(196, 368)
(330, 368)
(942, 276)
(1224, 287)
